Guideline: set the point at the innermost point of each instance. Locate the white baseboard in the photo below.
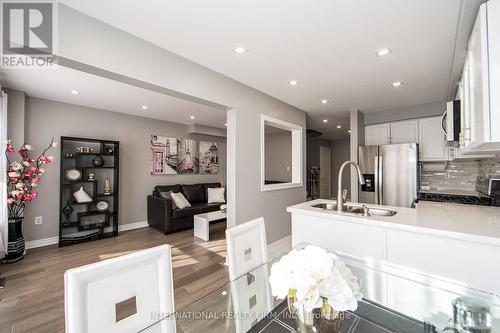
(55, 240)
(42, 242)
(131, 226)
(280, 247)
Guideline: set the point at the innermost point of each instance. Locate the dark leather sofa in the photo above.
(163, 217)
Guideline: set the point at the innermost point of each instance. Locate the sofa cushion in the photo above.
(180, 200)
(210, 185)
(185, 212)
(205, 207)
(209, 208)
(216, 195)
(166, 188)
(194, 193)
(168, 195)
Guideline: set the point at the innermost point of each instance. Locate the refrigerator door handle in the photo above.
(381, 180)
(376, 179)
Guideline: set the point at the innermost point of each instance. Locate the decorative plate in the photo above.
(73, 174)
(102, 206)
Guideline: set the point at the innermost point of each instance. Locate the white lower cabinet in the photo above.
(466, 263)
(462, 262)
(353, 238)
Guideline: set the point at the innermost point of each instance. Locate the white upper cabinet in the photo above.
(379, 134)
(494, 67)
(432, 139)
(404, 131)
(481, 84)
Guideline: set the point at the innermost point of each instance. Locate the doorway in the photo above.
(325, 165)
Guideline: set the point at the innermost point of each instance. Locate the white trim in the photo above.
(297, 150)
(42, 242)
(55, 240)
(131, 226)
(231, 168)
(280, 247)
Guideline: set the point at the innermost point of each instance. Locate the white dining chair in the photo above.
(123, 294)
(250, 291)
(246, 247)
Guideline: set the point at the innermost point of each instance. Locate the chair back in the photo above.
(246, 247)
(123, 294)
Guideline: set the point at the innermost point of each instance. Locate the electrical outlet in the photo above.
(38, 220)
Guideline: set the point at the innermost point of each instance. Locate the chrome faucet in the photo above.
(340, 197)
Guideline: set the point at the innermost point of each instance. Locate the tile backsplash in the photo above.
(490, 167)
(456, 175)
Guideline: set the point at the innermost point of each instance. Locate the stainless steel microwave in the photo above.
(451, 123)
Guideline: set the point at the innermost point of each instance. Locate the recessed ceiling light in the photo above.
(239, 49)
(338, 126)
(191, 117)
(397, 84)
(383, 52)
(75, 92)
(349, 131)
(293, 82)
(324, 101)
(225, 124)
(325, 121)
(144, 107)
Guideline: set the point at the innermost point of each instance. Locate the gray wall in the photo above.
(341, 152)
(117, 54)
(409, 112)
(278, 149)
(46, 119)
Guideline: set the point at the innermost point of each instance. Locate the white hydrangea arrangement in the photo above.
(315, 277)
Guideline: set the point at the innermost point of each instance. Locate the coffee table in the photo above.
(202, 223)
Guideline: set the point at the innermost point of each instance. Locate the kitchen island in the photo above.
(458, 243)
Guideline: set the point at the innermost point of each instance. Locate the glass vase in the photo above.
(331, 320)
(304, 316)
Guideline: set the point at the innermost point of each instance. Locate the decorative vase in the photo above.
(81, 196)
(15, 243)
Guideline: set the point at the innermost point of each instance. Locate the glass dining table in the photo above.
(395, 299)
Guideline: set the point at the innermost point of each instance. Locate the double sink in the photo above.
(361, 210)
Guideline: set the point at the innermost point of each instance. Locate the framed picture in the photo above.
(188, 157)
(209, 157)
(164, 155)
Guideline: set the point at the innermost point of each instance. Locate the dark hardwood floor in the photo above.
(33, 297)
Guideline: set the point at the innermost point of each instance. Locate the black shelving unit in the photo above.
(80, 222)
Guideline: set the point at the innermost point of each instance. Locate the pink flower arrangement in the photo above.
(24, 176)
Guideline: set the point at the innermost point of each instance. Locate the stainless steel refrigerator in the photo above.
(390, 173)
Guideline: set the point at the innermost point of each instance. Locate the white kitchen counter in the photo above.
(464, 222)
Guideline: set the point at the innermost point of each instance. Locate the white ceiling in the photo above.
(101, 93)
(327, 45)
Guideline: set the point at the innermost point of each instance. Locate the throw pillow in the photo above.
(180, 200)
(168, 195)
(216, 195)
